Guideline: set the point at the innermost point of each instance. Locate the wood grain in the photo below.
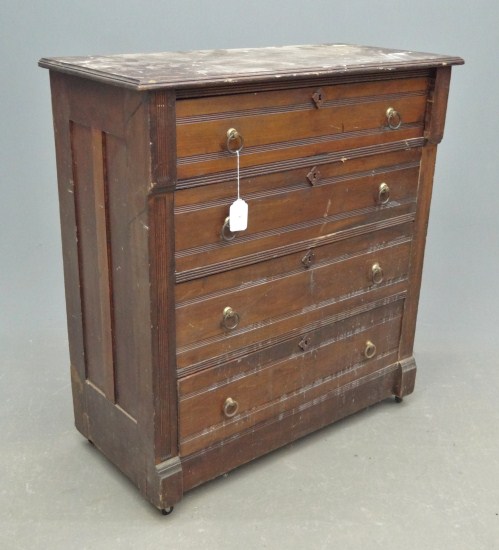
(285, 206)
(145, 183)
(251, 275)
(227, 346)
(244, 250)
(67, 211)
(290, 388)
(202, 138)
(273, 297)
(300, 152)
(295, 99)
(280, 430)
(93, 254)
(350, 322)
(163, 325)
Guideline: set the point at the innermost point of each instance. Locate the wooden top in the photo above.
(225, 67)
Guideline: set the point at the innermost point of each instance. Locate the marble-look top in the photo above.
(222, 67)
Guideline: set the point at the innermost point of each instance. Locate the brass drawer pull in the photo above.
(230, 318)
(393, 118)
(370, 350)
(383, 193)
(235, 141)
(231, 406)
(376, 273)
(227, 234)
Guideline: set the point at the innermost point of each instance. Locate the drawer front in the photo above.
(277, 298)
(309, 298)
(282, 125)
(289, 206)
(220, 402)
(295, 212)
(285, 294)
(278, 266)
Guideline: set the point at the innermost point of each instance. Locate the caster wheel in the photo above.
(167, 511)
(398, 399)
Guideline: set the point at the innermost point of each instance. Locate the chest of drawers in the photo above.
(196, 348)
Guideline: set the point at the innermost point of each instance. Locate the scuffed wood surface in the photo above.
(216, 67)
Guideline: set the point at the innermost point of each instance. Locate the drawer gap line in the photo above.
(293, 227)
(258, 149)
(298, 187)
(314, 325)
(339, 338)
(403, 239)
(196, 89)
(293, 107)
(303, 162)
(314, 242)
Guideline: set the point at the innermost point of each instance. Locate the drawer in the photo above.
(220, 402)
(294, 213)
(262, 302)
(189, 194)
(289, 206)
(281, 125)
(249, 275)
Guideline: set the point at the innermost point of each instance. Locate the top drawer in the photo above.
(282, 125)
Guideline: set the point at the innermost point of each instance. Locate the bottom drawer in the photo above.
(217, 403)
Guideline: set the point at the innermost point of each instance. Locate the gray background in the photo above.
(424, 474)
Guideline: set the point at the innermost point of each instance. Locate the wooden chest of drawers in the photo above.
(194, 348)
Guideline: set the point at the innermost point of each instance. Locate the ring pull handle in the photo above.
(230, 318)
(383, 193)
(376, 273)
(227, 234)
(235, 141)
(230, 408)
(370, 350)
(393, 118)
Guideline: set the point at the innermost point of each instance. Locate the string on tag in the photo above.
(238, 211)
(238, 184)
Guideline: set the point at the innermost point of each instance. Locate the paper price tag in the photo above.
(238, 215)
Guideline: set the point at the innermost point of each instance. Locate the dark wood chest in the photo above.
(196, 347)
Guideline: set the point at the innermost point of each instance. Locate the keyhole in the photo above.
(318, 97)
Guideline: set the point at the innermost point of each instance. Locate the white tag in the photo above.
(238, 215)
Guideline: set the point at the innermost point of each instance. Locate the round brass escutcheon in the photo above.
(230, 408)
(376, 273)
(230, 318)
(227, 234)
(370, 350)
(393, 118)
(383, 193)
(235, 141)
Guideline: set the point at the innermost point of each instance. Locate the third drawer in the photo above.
(366, 263)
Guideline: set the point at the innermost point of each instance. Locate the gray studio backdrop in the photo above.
(462, 255)
(55, 488)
